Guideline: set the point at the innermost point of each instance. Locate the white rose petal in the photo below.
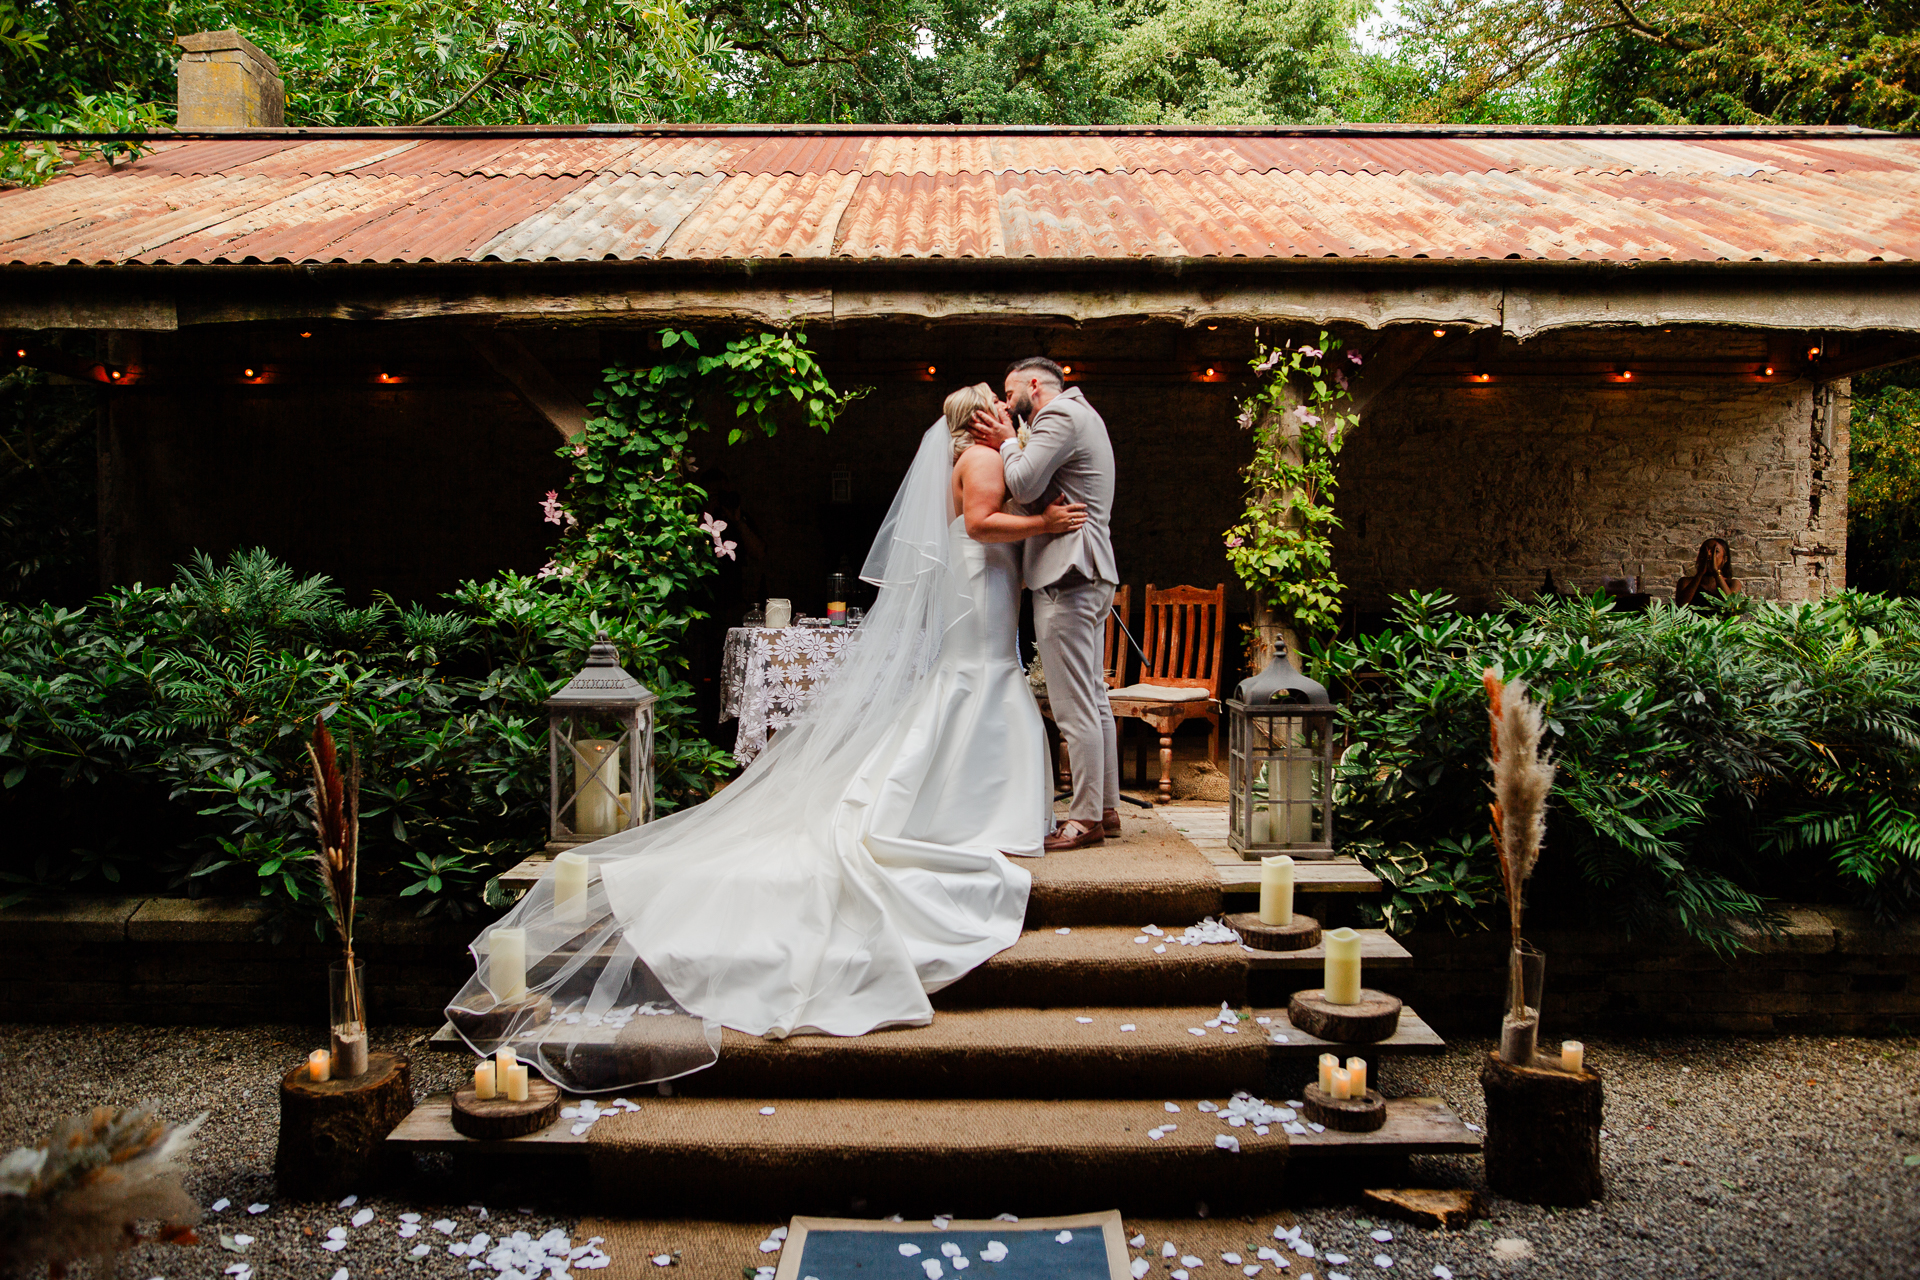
(341, 1274)
(1065, 1237)
(1188, 1260)
(933, 1268)
(766, 1111)
(444, 1226)
(1167, 1250)
(951, 1249)
(1160, 950)
(1140, 1268)
(1063, 931)
(1180, 1275)
(994, 1252)
(1336, 1259)
(258, 1208)
(1251, 1269)
(1232, 1259)
(769, 1246)
(1127, 1026)
(363, 1217)
(1226, 1142)
(1382, 1261)
(334, 1246)
(909, 1250)
(1383, 1236)
(1083, 1019)
(662, 1260)
(1441, 1272)
(218, 1205)
(410, 1218)
(336, 1233)
(962, 1262)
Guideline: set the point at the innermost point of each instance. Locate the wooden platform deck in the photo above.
(1205, 824)
(1378, 950)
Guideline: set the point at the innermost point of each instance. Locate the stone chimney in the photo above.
(226, 82)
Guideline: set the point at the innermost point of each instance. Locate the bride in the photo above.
(858, 864)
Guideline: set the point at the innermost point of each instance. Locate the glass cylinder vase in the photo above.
(347, 1006)
(1520, 1019)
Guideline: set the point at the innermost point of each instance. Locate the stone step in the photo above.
(1102, 965)
(724, 1157)
(1018, 1053)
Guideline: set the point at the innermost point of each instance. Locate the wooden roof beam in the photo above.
(522, 369)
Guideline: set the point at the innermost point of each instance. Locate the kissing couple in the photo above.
(865, 859)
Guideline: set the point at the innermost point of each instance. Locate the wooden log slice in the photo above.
(1376, 1017)
(1348, 1115)
(1449, 1207)
(494, 1023)
(333, 1132)
(1304, 932)
(498, 1118)
(1543, 1133)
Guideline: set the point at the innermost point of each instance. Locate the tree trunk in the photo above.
(333, 1132)
(1543, 1132)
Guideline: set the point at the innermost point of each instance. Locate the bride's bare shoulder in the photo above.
(978, 457)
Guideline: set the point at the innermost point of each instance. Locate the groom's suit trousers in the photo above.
(1069, 626)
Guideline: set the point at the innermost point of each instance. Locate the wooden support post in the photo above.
(1543, 1132)
(333, 1133)
(540, 389)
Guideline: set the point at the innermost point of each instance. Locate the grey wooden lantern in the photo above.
(599, 751)
(1280, 731)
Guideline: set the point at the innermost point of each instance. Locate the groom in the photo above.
(1072, 576)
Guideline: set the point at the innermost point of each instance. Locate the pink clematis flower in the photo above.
(1354, 356)
(551, 506)
(713, 529)
(1234, 542)
(1305, 419)
(1312, 353)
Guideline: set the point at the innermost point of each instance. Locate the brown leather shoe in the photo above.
(1065, 838)
(1110, 823)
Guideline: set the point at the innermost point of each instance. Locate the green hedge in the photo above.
(155, 737)
(1709, 762)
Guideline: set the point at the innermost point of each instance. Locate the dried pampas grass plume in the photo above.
(1522, 778)
(82, 1191)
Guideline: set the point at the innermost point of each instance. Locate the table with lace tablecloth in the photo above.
(768, 673)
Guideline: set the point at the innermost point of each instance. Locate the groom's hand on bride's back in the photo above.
(1063, 516)
(993, 425)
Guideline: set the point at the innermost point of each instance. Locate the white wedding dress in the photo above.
(858, 865)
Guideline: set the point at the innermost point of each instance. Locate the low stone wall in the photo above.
(1830, 969)
(171, 960)
(174, 960)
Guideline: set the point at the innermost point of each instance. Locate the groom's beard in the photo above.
(1020, 407)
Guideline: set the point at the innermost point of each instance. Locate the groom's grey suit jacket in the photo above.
(1067, 452)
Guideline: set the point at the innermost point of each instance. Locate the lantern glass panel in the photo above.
(1279, 771)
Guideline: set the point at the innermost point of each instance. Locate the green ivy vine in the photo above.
(1282, 546)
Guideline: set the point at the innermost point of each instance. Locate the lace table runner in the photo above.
(767, 674)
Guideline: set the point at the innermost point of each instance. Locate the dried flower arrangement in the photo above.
(1522, 778)
(336, 823)
(81, 1192)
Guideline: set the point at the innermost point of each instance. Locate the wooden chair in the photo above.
(1184, 634)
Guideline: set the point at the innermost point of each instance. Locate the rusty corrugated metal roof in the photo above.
(717, 194)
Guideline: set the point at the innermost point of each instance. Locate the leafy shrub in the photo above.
(1708, 761)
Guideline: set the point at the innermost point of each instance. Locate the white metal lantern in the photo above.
(1280, 731)
(599, 752)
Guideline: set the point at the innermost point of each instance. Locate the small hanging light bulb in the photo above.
(248, 373)
(1439, 333)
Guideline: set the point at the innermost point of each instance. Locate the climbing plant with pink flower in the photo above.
(1281, 547)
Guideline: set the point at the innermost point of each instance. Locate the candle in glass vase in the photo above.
(507, 964)
(596, 805)
(1276, 890)
(1262, 822)
(1328, 1063)
(570, 887)
(1343, 966)
(320, 1066)
(1573, 1056)
(483, 1076)
(1357, 1077)
(517, 1083)
(779, 612)
(1342, 1084)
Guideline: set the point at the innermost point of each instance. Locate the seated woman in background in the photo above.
(1712, 574)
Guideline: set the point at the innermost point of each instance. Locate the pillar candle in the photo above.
(1276, 890)
(320, 1066)
(1262, 825)
(1327, 1064)
(570, 887)
(1342, 1084)
(1573, 1056)
(504, 1059)
(1343, 966)
(483, 1077)
(507, 964)
(596, 804)
(1357, 1076)
(517, 1083)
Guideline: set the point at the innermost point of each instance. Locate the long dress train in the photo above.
(852, 869)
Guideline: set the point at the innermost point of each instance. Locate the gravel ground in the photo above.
(1725, 1156)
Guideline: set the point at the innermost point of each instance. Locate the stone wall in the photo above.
(409, 486)
(173, 961)
(1482, 490)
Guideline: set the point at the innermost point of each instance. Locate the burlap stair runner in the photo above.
(972, 1158)
(998, 1053)
(1101, 965)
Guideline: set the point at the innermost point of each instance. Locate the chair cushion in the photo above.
(1161, 693)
